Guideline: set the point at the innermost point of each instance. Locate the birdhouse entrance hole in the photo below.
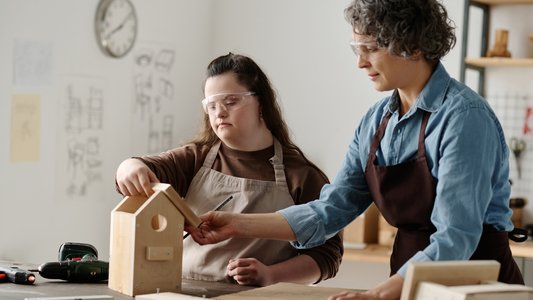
(159, 223)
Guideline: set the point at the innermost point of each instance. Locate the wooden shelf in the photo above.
(381, 254)
(499, 62)
(503, 2)
(522, 249)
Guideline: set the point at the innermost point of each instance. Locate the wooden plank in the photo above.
(167, 296)
(487, 291)
(287, 291)
(280, 291)
(188, 214)
(499, 62)
(448, 273)
(503, 2)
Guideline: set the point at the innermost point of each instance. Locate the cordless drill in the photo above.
(77, 263)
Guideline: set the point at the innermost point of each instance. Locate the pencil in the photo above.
(216, 208)
(223, 203)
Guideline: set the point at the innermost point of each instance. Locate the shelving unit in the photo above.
(480, 63)
(484, 62)
(381, 254)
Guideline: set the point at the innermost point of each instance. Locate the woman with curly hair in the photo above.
(432, 156)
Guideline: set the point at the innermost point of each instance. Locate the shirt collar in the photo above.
(432, 95)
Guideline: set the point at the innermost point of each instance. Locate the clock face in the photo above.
(116, 26)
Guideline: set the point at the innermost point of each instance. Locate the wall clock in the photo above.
(116, 26)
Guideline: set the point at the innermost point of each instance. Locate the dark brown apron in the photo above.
(405, 194)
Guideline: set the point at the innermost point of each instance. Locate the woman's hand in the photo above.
(216, 226)
(390, 289)
(249, 271)
(135, 178)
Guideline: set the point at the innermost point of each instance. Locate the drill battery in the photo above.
(76, 251)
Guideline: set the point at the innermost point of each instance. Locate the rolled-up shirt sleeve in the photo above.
(339, 203)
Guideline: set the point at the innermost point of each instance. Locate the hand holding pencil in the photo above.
(217, 208)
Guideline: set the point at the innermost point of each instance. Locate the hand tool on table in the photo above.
(517, 145)
(78, 262)
(16, 275)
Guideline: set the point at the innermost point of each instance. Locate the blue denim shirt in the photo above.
(466, 153)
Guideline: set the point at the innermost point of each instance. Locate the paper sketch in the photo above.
(25, 128)
(32, 63)
(80, 155)
(154, 99)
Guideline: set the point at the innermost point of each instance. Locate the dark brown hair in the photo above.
(250, 75)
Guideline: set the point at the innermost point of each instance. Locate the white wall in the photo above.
(38, 216)
(301, 44)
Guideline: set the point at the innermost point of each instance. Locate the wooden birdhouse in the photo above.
(146, 244)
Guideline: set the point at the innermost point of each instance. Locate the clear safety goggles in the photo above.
(229, 101)
(364, 49)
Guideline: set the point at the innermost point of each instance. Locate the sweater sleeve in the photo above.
(176, 167)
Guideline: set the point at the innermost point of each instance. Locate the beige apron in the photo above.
(207, 190)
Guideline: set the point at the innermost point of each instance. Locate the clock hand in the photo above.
(120, 25)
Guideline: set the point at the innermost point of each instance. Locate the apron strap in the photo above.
(211, 155)
(379, 133)
(277, 164)
(421, 136)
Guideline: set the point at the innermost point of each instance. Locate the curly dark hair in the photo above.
(404, 26)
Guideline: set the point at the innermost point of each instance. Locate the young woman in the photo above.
(243, 151)
(432, 156)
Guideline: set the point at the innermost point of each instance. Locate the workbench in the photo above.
(204, 289)
(47, 288)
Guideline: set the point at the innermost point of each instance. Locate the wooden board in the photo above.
(487, 291)
(502, 2)
(277, 291)
(499, 62)
(188, 214)
(166, 296)
(448, 273)
(286, 291)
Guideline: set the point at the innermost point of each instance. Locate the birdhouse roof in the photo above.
(179, 203)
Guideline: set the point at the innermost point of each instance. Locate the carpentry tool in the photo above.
(78, 262)
(517, 145)
(75, 251)
(17, 275)
(84, 270)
